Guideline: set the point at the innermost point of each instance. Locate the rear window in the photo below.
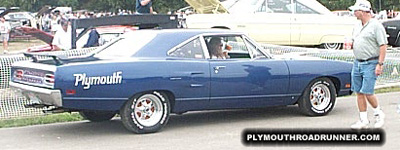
(126, 46)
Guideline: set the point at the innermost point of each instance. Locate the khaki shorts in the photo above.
(4, 36)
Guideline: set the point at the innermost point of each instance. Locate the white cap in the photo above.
(362, 5)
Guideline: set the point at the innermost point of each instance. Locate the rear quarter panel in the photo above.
(137, 76)
(302, 72)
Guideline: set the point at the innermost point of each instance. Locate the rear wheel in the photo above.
(318, 98)
(97, 116)
(146, 113)
(332, 46)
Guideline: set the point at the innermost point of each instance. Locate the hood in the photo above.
(296, 56)
(207, 6)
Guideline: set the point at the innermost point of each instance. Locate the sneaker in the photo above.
(360, 125)
(379, 120)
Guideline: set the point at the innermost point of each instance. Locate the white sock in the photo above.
(377, 110)
(364, 116)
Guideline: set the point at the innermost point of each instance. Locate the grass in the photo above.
(20, 45)
(387, 90)
(47, 119)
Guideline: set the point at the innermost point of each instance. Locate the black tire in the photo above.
(146, 113)
(318, 98)
(332, 46)
(97, 116)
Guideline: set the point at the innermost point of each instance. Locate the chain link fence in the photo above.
(390, 70)
(12, 106)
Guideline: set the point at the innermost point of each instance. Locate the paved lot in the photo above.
(197, 130)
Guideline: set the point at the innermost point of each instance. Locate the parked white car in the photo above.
(23, 17)
(282, 22)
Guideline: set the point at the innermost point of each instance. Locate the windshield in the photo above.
(126, 46)
(277, 6)
(248, 6)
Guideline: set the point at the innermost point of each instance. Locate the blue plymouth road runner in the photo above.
(146, 75)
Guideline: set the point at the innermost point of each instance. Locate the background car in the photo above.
(282, 22)
(345, 13)
(22, 18)
(107, 33)
(147, 74)
(392, 27)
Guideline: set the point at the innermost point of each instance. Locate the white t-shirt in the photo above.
(5, 27)
(54, 25)
(62, 39)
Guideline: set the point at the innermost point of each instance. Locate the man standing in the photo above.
(144, 6)
(369, 48)
(5, 29)
(62, 38)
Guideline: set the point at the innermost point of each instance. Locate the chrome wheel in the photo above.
(320, 96)
(147, 110)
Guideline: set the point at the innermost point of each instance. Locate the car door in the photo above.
(248, 78)
(189, 76)
(306, 25)
(267, 21)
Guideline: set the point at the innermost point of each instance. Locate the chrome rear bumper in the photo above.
(37, 94)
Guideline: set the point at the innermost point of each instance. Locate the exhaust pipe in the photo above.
(55, 111)
(35, 105)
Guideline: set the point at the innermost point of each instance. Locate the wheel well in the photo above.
(220, 27)
(335, 81)
(169, 94)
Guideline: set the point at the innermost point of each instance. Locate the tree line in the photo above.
(164, 6)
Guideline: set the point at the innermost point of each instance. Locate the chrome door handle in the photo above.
(175, 78)
(196, 85)
(217, 68)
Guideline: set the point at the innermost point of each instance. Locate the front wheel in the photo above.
(318, 98)
(146, 113)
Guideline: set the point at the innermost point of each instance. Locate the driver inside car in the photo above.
(215, 47)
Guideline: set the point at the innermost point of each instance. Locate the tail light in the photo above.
(18, 74)
(49, 78)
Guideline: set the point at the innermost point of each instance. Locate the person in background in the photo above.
(5, 29)
(369, 48)
(54, 26)
(62, 38)
(93, 39)
(144, 6)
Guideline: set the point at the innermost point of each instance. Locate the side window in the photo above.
(262, 8)
(301, 9)
(254, 50)
(227, 47)
(192, 49)
(279, 6)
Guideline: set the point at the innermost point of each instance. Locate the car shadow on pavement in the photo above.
(176, 122)
(203, 118)
(86, 127)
